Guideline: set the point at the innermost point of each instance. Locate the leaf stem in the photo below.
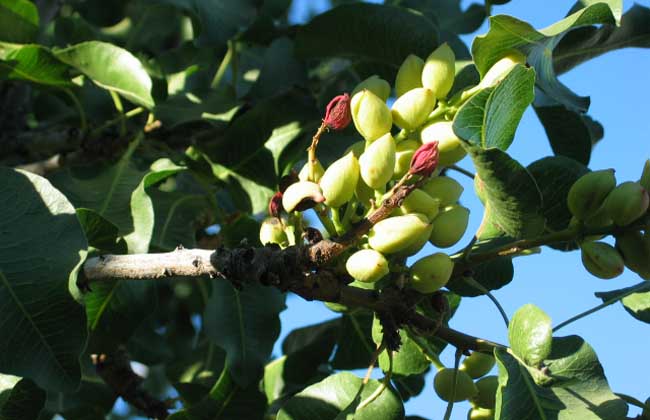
(462, 171)
(381, 388)
(223, 66)
(120, 109)
(80, 109)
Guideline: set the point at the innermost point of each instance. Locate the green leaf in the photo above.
(409, 360)
(215, 107)
(354, 346)
(280, 70)
(43, 247)
(371, 31)
(530, 334)
(100, 233)
(92, 400)
(448, 15)
(636, 304)
(514, 202)
(554, 176)
(507, 33)
(18, 21)
(32, 63)
(490, 118)
(589, 42)
(245, 324)
(491, 275)
(20, 399)
(339, 395)
(111, 68)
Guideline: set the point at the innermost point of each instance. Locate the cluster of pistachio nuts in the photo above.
(480, 393)
(597, 202)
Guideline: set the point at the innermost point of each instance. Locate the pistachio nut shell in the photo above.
(477, 364)
(409, 75)
(272, 232)
(367, 265)
(502, 68)
(378, 162)
(480, 414)
(340, 180)
(376, 85)
(635, 249)
(588, 193)
(364, 193)
(418, 242)
(450, 148)
(444, 189)
(300, 194)
(487, 390)
(403, 153)
(430, 273)
(449, 226)
(419, 201)
(627, 202)
(411, 109)
(602, 260)
(303, 175)
(443, 384)
(439, 71)
(371, 115)
(394, 234)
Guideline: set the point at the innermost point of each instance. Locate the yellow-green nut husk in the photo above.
(635, 249)
(588, 193)
(430, 273)
(397, 233)
(443, 384)
(371, 115)
(412, 109)
(444, 189)
(419, 241)
(450, 147)
(403, 154)
(480, 414)
(501, 68)
(272, 232)
(602, 260)
(376, 85)
(299, 191)
(449, 226)
(340, 180)
(439, 71)
(477, 364)
(487, 389)
(378, 162)
(420, 202)
(303, 175)
(409, 75)
(626, 203)
(645, 175)
(356, 148)
(367, 265)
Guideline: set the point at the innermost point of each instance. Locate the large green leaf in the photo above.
(514, 202)
(409, 360)
(20, 399)
(18, 21)
(507, 33)
(636, 304)
(574, 387)
(339, 395)
(448, 15)
(530, 334)
(372, 31)
(490, 275)
(42, 248)
(32, 63)
(245, 324)
(355, 347)
(112, 68)
(100, 233)
(280, 71)
(215, 107)
(490, 118)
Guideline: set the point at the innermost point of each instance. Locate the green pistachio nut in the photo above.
(356, 148)
(487, 390)
(449, 226)
(502, 68)
(450, 147)
(602, 260)
(403, 154)
(376, 85)
(303, 175)
(395, 234)
(627, 202)
(645, 176)
(480, 414)
(367, 266)
(432, 272)
(635, 249)
(371, 115)
(378, 162)
(439, 71)
(418, 242)
(412, 109)
(420, 202)
(477, 364)
(588, 193)
(340, 180)
(444, 189)
(443, 384)
(272, 232)
(298, 193)
(364, 193)
(409, 75)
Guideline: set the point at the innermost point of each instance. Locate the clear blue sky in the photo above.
(619, 85)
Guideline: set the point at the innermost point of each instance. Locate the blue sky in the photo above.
(619, 85)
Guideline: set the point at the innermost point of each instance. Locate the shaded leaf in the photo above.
(636, 304)
(32, 63)
(491, 275)
(448, 15)
(280, 71)
(530, 334)
(100, 233)
(20, 399)
(354, 346)
(18, 21)
(215, 107)
(409, 360)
